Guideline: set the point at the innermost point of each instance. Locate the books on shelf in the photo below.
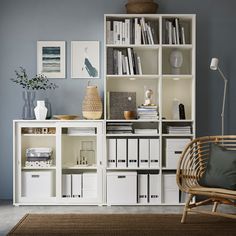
(132, 31)
(120, 128)
(173, 32)
(147, 112)
(179, 129)
(123, 62)
(146, 131)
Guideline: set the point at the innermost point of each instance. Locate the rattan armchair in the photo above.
(192, 165)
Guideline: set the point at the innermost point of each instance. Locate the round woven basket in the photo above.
(141, 7)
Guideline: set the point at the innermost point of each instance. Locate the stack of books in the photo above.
(179, 129)
(147, 112)
(146, 131)
(120, 128)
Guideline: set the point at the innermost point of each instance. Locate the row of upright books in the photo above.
(132, 31)
(174, 32)
(123, 62)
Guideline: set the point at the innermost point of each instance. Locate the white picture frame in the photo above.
(51, 58)
(85, 59)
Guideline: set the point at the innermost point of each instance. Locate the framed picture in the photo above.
(85, 59)
(51, 59)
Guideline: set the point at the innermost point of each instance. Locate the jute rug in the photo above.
(123, 225)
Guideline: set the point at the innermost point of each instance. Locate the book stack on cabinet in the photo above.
(137, 61)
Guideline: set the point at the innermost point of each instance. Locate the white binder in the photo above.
(77, 185)
(154, 189)
(133, 153)
(144, 153)
(142, 188)
(111, 153)
(121, 153)
(154, 153)
(66, 185)
(89, 185)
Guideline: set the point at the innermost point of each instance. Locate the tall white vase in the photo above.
(40, 111)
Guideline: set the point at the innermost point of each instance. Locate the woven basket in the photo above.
(141, 7)
(92, 104)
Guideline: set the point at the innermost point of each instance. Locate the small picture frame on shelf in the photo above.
(85, 59)
(51, 59)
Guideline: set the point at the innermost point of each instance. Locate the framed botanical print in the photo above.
(51, 59)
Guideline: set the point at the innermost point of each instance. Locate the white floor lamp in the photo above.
(214, 66)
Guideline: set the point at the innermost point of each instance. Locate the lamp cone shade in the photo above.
(214, 63)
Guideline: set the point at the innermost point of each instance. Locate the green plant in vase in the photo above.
(30, 86)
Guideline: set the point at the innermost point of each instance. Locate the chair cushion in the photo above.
(221, 168)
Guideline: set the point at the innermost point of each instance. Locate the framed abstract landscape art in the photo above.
(51, 58)
(85, 59)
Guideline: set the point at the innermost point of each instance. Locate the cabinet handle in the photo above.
(35, 176)
(121, 176)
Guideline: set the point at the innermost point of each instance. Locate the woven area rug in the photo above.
(123, 225)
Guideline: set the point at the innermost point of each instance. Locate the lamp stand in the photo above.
(224, 97)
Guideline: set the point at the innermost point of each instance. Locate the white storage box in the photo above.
(174, 148)
(122, 188)
(89, 185)
(170, 189)
(37, 184)
(154, 188)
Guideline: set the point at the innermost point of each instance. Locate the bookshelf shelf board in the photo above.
(179, 121)
(81, 135)
(133, 77)
(129, 168)
(179, 46)
(177, 135)
(132, 135)
(136, 46)
(79, 168)
(39, 168)
(176, 77)
(39, 135)
(131, 121)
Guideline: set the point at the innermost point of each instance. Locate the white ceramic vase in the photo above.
(40, 111)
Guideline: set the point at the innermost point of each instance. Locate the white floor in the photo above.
(10, 215)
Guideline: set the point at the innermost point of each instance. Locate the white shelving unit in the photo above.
(66, 154)
(157, 75)
(126, 168)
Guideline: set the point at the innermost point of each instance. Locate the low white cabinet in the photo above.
(73, 171)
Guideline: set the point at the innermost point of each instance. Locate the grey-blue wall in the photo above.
(23, 22)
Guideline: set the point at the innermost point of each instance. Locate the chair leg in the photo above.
(215, 206)
(186, 208)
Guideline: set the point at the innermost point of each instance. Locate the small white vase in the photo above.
(40, 111)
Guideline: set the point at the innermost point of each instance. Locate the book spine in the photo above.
(139, 65)
(150, 34)
(115, 32)
(174, 36)
(119, 63)
(177, 30)
(130, 61)
(110, 61)
(136, 63)
(136, 31)
(183, 35)
(108, 32)
(124, 70)
(127, 65)
(170, 32)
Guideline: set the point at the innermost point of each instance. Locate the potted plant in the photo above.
(30, 86)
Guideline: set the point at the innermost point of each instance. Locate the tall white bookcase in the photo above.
(125, 168)
(167, 85)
